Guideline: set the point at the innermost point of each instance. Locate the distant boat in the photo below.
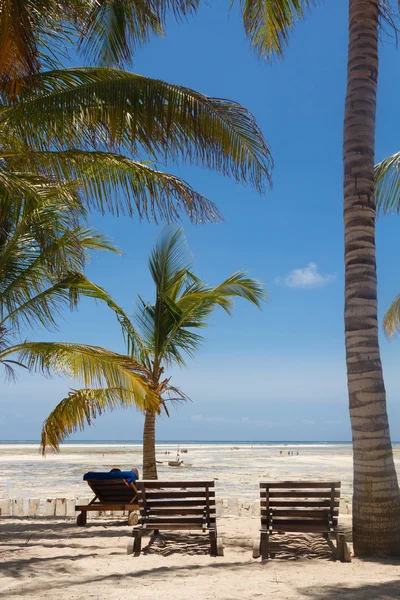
(175, 463)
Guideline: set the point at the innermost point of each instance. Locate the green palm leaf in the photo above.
(96, 108)
(79, 408)
(387, 184)
(268, 23)
(121, 185)
(114, 29)
(92, 365)
(391, 320)
(44, 307)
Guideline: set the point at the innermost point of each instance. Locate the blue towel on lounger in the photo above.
(129, 476)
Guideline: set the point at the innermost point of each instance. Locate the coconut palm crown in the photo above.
(162, 333)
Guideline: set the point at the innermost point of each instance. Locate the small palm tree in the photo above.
(164, 332)
(44, 246)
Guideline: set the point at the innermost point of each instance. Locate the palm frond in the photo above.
(268, 23)
(169, 258)
(28, 310)
(121, 185)
(18, 43)
(93, 365)
(387, 184)
(94, 108)
(391, 320)
(114, 29)
(81, 407)
(29, 32)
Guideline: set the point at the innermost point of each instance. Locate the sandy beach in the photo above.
(48, 557)
(52, 558)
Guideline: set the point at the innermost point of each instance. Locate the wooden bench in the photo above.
(174, 506)
(115, 494)
(300, 506)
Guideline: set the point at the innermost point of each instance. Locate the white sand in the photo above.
(55, 559)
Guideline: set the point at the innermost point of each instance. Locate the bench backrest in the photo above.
(113, 490)
(300, 505)
(176, 504)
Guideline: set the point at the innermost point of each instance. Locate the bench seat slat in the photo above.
(184, 510)
(177, 503)
(300, 484)
(303, 503)
(301, 529)
(299, 513)
(172, 519)
(150, 495)
(285, 522)
(150, 484)
(303, 494)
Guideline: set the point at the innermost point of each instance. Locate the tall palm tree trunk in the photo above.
(376, 503)
(149, 446)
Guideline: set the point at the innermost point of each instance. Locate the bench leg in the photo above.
(81, 519)
(264, 542)
(256, 548)
(213, 542)
(135, 544)
(342, 549)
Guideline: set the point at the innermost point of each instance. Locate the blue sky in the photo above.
(278, 373)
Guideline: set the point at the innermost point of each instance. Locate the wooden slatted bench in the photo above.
(174, 506)
(300, 506)
(115, 494)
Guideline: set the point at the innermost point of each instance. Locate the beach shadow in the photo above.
(168, 544)
(289, 547)
(375, 591)
(30, 589)
(18, 567)
(56, 530)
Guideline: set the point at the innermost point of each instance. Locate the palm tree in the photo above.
(164, 333)
(43, 250)
(376, 500)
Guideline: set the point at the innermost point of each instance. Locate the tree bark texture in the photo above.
(376, 502)
(149, 446)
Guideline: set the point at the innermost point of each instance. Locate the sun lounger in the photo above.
(175, 506)
(300, 506)
(113, 491)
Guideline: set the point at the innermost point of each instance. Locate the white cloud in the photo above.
(309, 277)
(308, 422)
